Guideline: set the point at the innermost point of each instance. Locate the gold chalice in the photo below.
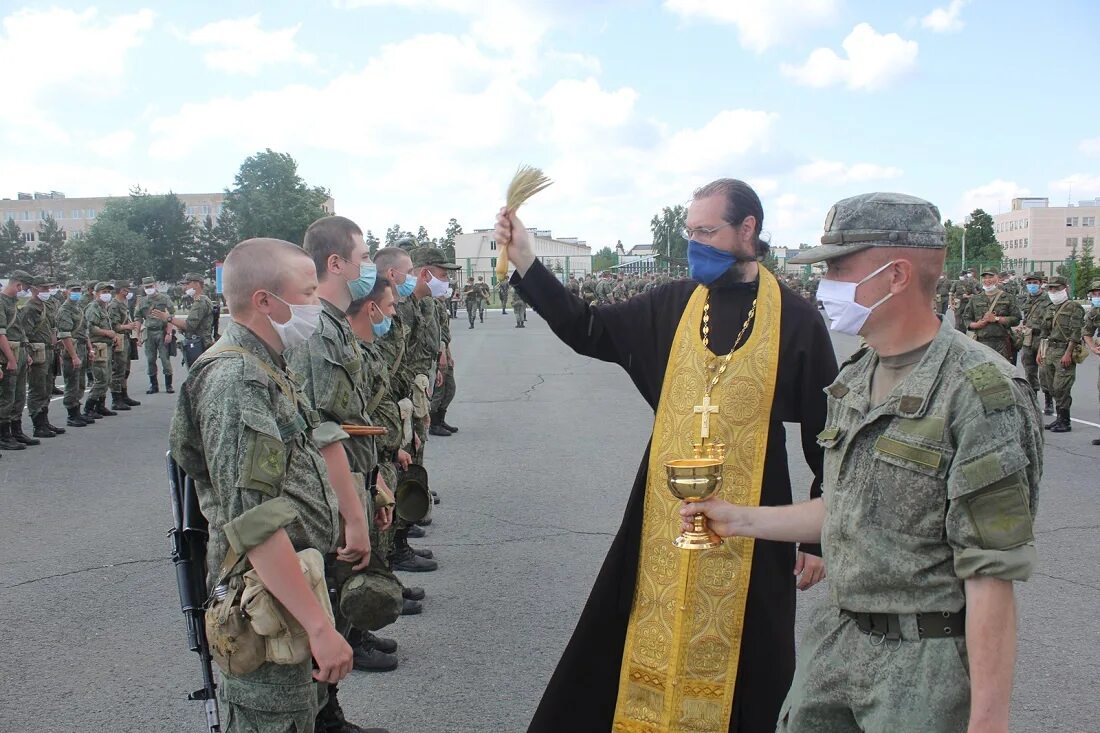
(695, 479)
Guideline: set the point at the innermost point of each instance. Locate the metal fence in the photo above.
(1069, 269)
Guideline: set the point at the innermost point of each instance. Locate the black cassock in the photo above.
(638, 335)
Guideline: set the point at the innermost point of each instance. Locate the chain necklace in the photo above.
(721, 369)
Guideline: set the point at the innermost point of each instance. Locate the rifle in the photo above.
(188, 539)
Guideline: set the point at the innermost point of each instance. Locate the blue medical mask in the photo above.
(406, 288)
(706, 264)
(74, 296)
(1033, 288)
(1095, 302)
(362, 285)
(381, 329)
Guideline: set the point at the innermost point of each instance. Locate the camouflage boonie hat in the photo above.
(1058, 280)
(1094, 285)
(148, 281)
(191, 277)
(371, 599)
(1037, 275)
(432, 257)
(22, 276)
(876, 220)
(104, 286)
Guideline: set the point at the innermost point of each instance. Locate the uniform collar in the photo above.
(236, 334)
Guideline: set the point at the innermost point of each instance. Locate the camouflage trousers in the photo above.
(1059, 378)
(504, 302)
(520, 309)
(13, 387)
(1002, 346)
(75, 383)
(101, 374)
(40, 384)
(471, 310)
(481, 308)
(1031, 369)
(843, 683)
(157, 348)
(442, 396)
(120, 367)
(276, 698)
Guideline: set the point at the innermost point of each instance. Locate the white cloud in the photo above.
(830, 171)
(1090, 146)
(1078, 185)
(993, 198)
(76, 179)
(873, 61)
(946, 19)
(113, 144)
(761, 24)
(241, 46)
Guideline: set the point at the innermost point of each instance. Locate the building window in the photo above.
(90, 213)
(1088, 221)
(1071, 221)
(204, 210)
(1071, 241)
(28, 236)
(493, 245)
(76, 214)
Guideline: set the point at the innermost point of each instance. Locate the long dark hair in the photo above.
(741, 201)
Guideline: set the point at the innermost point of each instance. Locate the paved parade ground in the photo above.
(533, 488)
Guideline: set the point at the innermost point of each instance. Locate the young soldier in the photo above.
(119, 312)
(38, 324)
(13, 353)
(75, 348)
(158, 333)
(104, 340)
(1062, 324)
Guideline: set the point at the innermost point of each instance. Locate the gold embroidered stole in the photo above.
(683, 641)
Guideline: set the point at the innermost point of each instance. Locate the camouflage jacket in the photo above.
(330, 367)
(422, 347)
(9, 325)
(243, 431)
(200, 320)
(444, 315)
(1033, 310)
(156, 301)
(95, 316)
(381, 407)
(1003, 306)
(1062, 324)
(1092, 324)
(937, 484)
(70, 321)
(393, 348)
(35, 321)
(120, 316)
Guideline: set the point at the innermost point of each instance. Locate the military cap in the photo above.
(1056, 280)
(371, 599)
(90, 284)
(42, 280)
(22, 276)
(1037, 275)
(104, 286)
(74, 285)
(191, 277)
(148, 281)
(1094, 285)
(1004, 273)
(412, 495)
(430, 256)
(120, 284)
(876, 220)
(989, 271)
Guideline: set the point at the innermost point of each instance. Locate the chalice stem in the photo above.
(699, 524)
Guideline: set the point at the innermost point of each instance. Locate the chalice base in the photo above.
(692, 540)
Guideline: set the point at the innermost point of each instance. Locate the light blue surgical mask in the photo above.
(381, 329)
(406, 288)
(74, 296)
(1033, 288)
(362, 285)
(1095, 302)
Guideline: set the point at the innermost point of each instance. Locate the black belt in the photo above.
(934, 625)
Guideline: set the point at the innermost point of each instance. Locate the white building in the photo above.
(477, 252)
(1035, 230)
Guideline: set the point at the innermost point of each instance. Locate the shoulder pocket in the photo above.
(263, 456)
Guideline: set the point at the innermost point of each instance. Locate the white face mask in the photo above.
(55, 291)
(104, 297)
(1058, 296)
(150, 291)
(839, 298)
(44, 296)
(989, 288)
(129, 296)
(304, 320)
(190, 292)
(23, 294)
(438, 287)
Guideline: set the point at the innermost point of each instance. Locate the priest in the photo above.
(686, 640)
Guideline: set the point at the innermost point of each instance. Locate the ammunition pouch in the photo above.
(234, 644)
(101, 352)
(38, 353)
(422, 405)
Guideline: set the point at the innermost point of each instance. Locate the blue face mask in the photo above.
(1033, 288)
(362, 285)
(406, 288)
(706, 264)
(74, 296)
(381, 329)
(1095, 302)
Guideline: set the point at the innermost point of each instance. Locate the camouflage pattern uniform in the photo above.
(519, 308)
(200, 320)
(120, 361)
(935, 484)
(588, 290)
(943, 295)
(383, 411)
(1091, 329)
(442, 396)
(38, 326)
(502, 290)
(1062, 325)
(156, 347)
(961, 292)
(469, 291)
(483, 295)
(995, 335)
(70, 325)
(243, 432)
(1033, 310)
(603, 291)
(13, 387)
(95, 316)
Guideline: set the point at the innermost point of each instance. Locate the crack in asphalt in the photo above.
(1048, 444)
(1067, 580)
(87, 570)
(1059, 529)
(524, 396)
(562, 530)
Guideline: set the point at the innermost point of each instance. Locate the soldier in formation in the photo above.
(158, 333)
(38, 322)
(1090, 333)
(469, 292)
(1032, 310)
(519, 308)
(989, 316)
(119, 314)
(1063, 323)
(502, 290)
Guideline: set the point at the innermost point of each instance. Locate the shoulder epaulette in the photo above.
(994, 389)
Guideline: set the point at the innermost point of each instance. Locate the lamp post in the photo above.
(966, 222)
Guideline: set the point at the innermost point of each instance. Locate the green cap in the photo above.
(44, 280)
(371, 599)
(1058, 280)
(90, 284)
(988, 271)
(1094, 285)
(22, 276)
(120, 284)
(191, 277)
(1037, 275)
(413, 498)
(74, 285)
(876, 220)
(430, 256)
(148, 281)
(104, 286)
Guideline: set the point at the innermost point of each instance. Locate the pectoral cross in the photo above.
(705, 410)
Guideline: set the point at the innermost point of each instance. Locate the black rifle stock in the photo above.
(188, 539)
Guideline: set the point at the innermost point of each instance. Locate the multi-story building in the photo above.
(1035, 230)
(477, 252)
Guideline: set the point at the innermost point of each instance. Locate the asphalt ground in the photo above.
(533, 488)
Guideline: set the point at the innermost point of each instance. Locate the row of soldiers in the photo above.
(87, 333)
(614, 288)
(1043, 326)
(323, 390)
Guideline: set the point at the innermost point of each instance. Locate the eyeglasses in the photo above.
(690, 232)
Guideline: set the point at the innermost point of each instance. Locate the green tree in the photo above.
(212, 244)
(14, 253)
(447, 244)
(372, 242)
(393, 234)
(667, 227)
(1087, 271)
(109, 249)
(981, 243)
(604, 259)
(954, 243)
(163, 221)
(270, 199)
(50, 256)
(422, 237)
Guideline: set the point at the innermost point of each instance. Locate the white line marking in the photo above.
(1085, 422)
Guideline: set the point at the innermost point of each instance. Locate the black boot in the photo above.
(1050, 425)
(405, 559)
(40, 428)
(1048, 408)
(75, 421)
(18, 434)
(56, 391)
(168, 384)
(412, 593)
(437, 429)
(367, 652)
(46, 419)
(7, 442)
(90, 411)
(102, 409)
(127, 399)
(416, 532)
(1063, 425)
(118, 403)
(411, 608)
(153, 386)
(443, 422)
(331, 718)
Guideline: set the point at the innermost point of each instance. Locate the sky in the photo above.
(415, 111)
